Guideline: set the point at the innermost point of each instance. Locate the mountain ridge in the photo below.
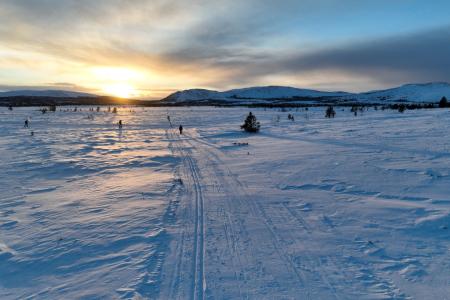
(413, 92)
(46, 93)
(430, 92)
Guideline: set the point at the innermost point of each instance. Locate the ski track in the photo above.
(306, 273)
(278, 242)
(191, 176)
(235, 190)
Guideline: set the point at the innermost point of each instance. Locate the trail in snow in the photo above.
(250, 236)
(306, 225)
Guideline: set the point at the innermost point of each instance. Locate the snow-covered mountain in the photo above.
(278, 92)
(194, 94)
(265, 92)
(428, 92)
(45, 93)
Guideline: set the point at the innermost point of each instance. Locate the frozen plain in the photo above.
(344, 208)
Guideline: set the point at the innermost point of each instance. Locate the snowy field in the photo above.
(344, 208)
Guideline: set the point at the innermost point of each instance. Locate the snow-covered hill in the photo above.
(278, 92)
(265, 92)
(428, 92)
(45, 93)
(194, 94)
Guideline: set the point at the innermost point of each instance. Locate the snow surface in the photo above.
(429, 92)
(45, 93)
(344, 208)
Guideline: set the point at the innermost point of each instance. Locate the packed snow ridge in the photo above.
(428, 92)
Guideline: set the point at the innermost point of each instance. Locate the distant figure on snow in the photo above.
(181, 129)
(26, 125)
(120, 124)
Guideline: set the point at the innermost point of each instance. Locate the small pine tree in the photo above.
(330, 113)
(401, 108)
(251, 124)
(443, 103)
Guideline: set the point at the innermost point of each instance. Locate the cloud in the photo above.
(67, 86)
(419, 57)
(216, 44)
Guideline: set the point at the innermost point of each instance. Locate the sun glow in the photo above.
(117, 81)
(121, 90)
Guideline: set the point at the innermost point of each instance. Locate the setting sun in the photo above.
(121, 90)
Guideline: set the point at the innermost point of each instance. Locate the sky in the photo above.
(150, 48)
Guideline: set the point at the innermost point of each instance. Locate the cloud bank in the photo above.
(353, 45)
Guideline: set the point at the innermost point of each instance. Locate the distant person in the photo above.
(181, 129)
(26, 125)
(120, 124)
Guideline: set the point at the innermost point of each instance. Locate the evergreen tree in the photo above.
(443, 103)
(251, 124)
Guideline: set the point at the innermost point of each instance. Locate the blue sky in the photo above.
(148, 49)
